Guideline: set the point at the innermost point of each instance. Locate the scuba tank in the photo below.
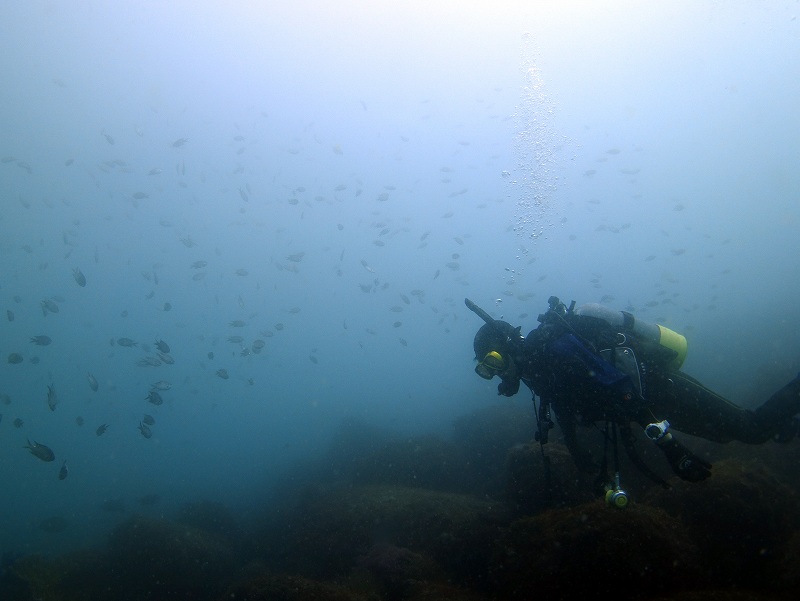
(664, 341)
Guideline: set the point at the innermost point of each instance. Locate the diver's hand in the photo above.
(508, 387)
(684, 463)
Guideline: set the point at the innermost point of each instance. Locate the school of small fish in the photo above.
(253, 300)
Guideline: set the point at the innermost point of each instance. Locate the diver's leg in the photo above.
(778, 412)
(694, 409)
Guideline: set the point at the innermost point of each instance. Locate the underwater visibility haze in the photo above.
(237, 238)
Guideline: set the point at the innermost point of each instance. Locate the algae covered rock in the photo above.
(72, 576)
(156, 559)
(325, 534)
(741, 518)
(268, 586)
(594, 550)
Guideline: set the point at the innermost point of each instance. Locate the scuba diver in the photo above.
(593, 364)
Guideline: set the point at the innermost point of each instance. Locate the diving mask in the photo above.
(492, 365)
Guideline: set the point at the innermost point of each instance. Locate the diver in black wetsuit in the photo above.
(594, 365)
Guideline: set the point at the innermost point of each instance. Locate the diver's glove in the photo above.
(508, 386)
(684, 463)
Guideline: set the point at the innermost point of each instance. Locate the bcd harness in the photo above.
(618, 359)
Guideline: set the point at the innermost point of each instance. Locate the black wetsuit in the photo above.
(588, 372)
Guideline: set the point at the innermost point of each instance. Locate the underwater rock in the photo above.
(78, 575)
(593, 551)
(397, 571)
(292, 588)
(213, 518)
(419, 462)
(532, 487)
(484, 438)
(742, 519)
(323, 534)
(156, 559)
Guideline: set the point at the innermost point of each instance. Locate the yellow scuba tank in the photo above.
(647, 333)
(676, 342)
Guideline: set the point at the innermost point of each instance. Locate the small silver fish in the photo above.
(49, 306)
(149, 361)
(80, 279)
(92, 382)
(161, 385)
(63, 472)
(101, 429)
(154, 398)
(52, 398)
(41, 451)
(146, 432)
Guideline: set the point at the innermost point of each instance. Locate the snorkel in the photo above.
(478, 311)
